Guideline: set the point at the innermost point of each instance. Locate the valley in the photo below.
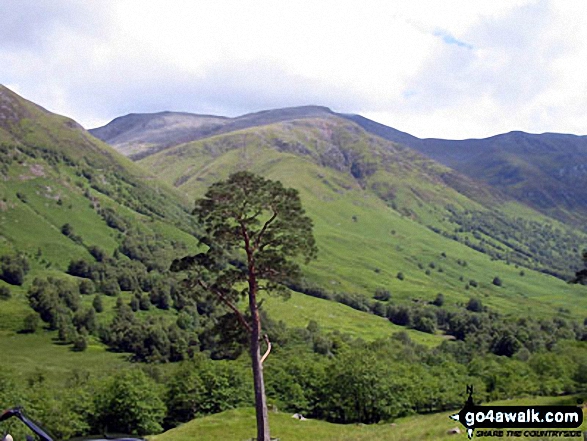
(432, 272)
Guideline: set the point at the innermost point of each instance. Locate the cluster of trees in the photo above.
(540, 246)
(491, 331)
(13, 268)
(354, 382)
(327, 376)
(58, 304)
(129, 401)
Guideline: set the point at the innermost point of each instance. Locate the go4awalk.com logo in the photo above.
(527, 420)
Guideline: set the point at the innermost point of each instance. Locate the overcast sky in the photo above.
(449, 69)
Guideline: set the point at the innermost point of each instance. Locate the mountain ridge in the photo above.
(546, 171)
(124, 132)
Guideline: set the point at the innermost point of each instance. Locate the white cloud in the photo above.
(444, 69)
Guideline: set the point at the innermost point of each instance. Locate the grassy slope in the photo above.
(359, 256)
(55, 191)
(239, 425)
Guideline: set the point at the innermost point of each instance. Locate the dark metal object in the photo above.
(44, 435)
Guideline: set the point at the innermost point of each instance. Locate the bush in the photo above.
(97, 303)
(86, 287)
(66, 230)
(400, 276)
(110, 288)
(474, 305)
(424, 323)
(129, 403)
(13, 269)
(30, 324)
(497, 281)
(5, 293)
(97, 253)
(80, 344)
(439, 300)
(399, 315)
(382, 294)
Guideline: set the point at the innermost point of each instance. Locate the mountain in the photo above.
(386, 217)
(75, 215)
(546, 171)
(138, 135)
(381, 208)
(408, 180)
(405, 244)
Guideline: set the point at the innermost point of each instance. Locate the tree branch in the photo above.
(271, 219)
(266, 354)
(228, 303)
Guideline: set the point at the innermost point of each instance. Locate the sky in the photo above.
(447, 69)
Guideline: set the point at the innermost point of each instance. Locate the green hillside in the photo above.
(65, 196)
(545, 171)
(381, 209)
(425, 281)
(240, 425)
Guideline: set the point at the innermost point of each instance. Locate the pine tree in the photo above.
(254, 227)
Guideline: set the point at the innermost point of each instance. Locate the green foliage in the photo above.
(129, 403)
(439, 300)
(474, 305)
(31, 324)
(13, 268)
(97, 303)
(382, 294)
(80, 344)
(86, 287)
(5, 293)
(201, 387)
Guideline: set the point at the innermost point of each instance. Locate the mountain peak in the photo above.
(139, 134)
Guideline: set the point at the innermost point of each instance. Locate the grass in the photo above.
(300, 309)
(239, 425)
(29, 354)
(363, 243)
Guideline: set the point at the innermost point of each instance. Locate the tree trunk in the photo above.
(260, 399)
(258, 382)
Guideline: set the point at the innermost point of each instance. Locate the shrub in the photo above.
(129, 403)
(80, 344)
(474, 305)
(30, 324)
(424, 324)
(86, 286)
(400, 276)
(4, 293)
(497, 281)
(97, 303)
(13, 269)
(98, 253)
(439, 300)
(66, 230)
(382, 294)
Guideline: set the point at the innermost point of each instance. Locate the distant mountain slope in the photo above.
(135, 133)
(138, 135)
(381, 209)
(546, 171)
(53, 173)
(77, 211)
